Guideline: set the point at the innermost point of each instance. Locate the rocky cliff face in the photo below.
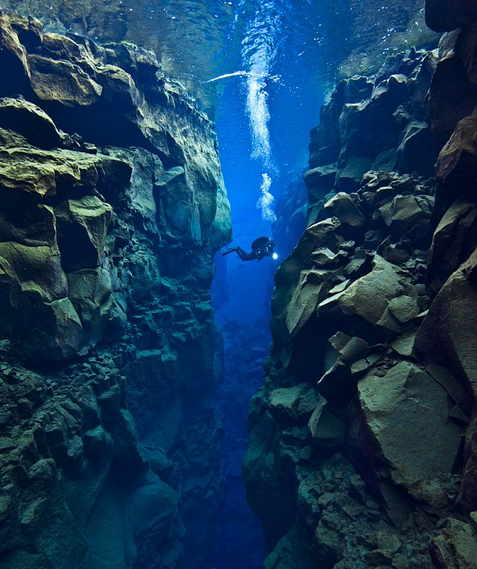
(362, 438)
(112, 207)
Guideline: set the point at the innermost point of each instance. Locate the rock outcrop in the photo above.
(362, 437)
(112, 207)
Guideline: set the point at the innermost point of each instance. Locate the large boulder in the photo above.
(406, 412)
(367, 301)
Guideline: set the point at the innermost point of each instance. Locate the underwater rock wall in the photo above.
(112, 207)
(362, 438)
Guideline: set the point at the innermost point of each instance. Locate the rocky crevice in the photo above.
(112, 207)
(362, 450)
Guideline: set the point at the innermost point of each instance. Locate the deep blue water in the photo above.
(261, 69)
(278, 62)
(269, 100)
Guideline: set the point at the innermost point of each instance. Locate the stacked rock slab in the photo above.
(112, 207)
(357, 455)
(447, 338)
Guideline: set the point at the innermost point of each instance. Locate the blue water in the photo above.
(270, 83)
(269, 100)
(261, 69)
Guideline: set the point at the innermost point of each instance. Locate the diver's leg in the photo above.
(229, 251)
(242, 254)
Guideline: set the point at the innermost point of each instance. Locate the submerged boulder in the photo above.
(353, 316)
(407, 413)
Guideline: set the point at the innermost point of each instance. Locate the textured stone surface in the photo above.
(407, 413)
(384, 475)
(108, 352)
(379, 123)
(455, 545)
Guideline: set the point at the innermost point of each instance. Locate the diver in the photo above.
(261, 247)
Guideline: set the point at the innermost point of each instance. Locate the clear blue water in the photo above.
(269, 88)
(261, 69)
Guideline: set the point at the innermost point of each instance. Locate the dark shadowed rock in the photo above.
(446, 15)
(30, 121)
(453, 241)
(455, 545)
(452, 96)
(368, 298)
(416, 152)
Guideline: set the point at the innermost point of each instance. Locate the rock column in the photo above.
(112, 206)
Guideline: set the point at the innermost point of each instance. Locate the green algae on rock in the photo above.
(112, 207)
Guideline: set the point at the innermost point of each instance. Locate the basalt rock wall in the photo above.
(362, 438)
(112, 205)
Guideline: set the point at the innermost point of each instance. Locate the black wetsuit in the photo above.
(261, 247)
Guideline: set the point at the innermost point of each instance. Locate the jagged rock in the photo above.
(150, 508)
(452, 242)
(448, 107)
(41, 172)
(30, 121)
(350, 175)
(416, 153)
(376, 113)
(349, 349)
(60, 336)
(360, 265)
(294, 404)
(321, 234)
(327, 430)
(82, 229)
(62, 81)
(404, 345)
(459, 156)
(91, 294)
(408, 216)
(343, 207)
(336, 384)
(320, 180)
(324, 257)
(455, 545)
(404, 426)
(368, 298)
(406, 409)
(360, 367)
(101, 270)
(443, 338)
(384, 194)
(404, 308)
(305, 299)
